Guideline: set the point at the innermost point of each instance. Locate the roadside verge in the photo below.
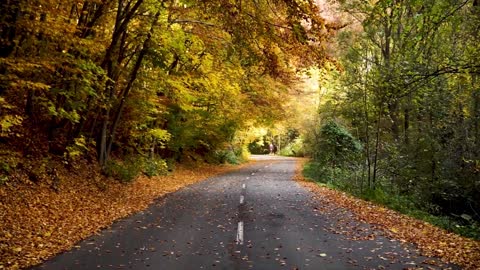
(39, 222)
(431, 240)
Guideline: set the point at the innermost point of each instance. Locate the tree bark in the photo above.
(133, 77)
(125, 13)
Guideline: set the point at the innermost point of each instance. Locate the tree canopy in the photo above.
(152, 77)
(408, 89)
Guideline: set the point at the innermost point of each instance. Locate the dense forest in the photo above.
(399, 121)
(137, 84)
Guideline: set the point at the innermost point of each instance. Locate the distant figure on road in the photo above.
(272, 148)
(275, 149)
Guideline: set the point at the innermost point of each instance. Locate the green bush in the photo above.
(154, 167)
(336, 146)
(315, 171)
(410, 205)
(294, 149)
(226, 156)
(9, 161)
(128, 169)
(170, 164)
(125, 171)
(259, 147)
(230, 156)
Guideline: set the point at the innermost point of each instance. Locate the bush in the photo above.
(337, 146)
(406, 204)
(242, 153)
(226, 156)
(231, 156)
(170, 162)
(258, 147)
(125, 171)
(315, 171)
(9, 161)
(294, 149)
(155, 166)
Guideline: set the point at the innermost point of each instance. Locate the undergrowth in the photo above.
(406, 204)
(128, 169)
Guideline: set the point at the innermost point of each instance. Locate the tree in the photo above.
(408, 85)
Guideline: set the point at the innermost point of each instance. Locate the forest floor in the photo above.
(39, 221)
(431, 240)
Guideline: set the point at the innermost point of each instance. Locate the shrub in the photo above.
(226, 156)
(336, 146)
(155, 166)
(125, 171)
(294, 149)
(231, 156)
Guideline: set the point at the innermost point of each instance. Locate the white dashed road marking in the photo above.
(240, 233)
(240, 223)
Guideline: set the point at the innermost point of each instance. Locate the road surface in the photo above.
(253, 218)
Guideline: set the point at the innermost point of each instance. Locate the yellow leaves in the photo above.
(7, 122)
(38, 222)
(36, 86)
(5, 105)
(160, 134)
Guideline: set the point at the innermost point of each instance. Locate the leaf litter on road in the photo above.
(39, 222)
(431, 240)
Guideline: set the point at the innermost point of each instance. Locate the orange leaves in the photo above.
(38, 222)
(431, 240)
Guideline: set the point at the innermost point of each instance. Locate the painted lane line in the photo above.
(242, 199)
(253, 173)
(248, 178)
(244, 186)
(240, 233)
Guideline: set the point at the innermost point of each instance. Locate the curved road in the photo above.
(253, 218)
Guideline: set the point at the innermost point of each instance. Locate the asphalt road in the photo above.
(253, 218)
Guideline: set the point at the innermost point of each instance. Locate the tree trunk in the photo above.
(133, 77)
(9, 14)
(476, 115)
(367, 139)
(377, 145)
(406, 121)
(125, 13)
(393, 112)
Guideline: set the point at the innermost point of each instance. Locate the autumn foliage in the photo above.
(39, 222)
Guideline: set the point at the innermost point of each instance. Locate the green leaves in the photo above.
(336, 145)
(409, 95)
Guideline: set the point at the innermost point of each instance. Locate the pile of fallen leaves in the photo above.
(38, 221)
(431, 240)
